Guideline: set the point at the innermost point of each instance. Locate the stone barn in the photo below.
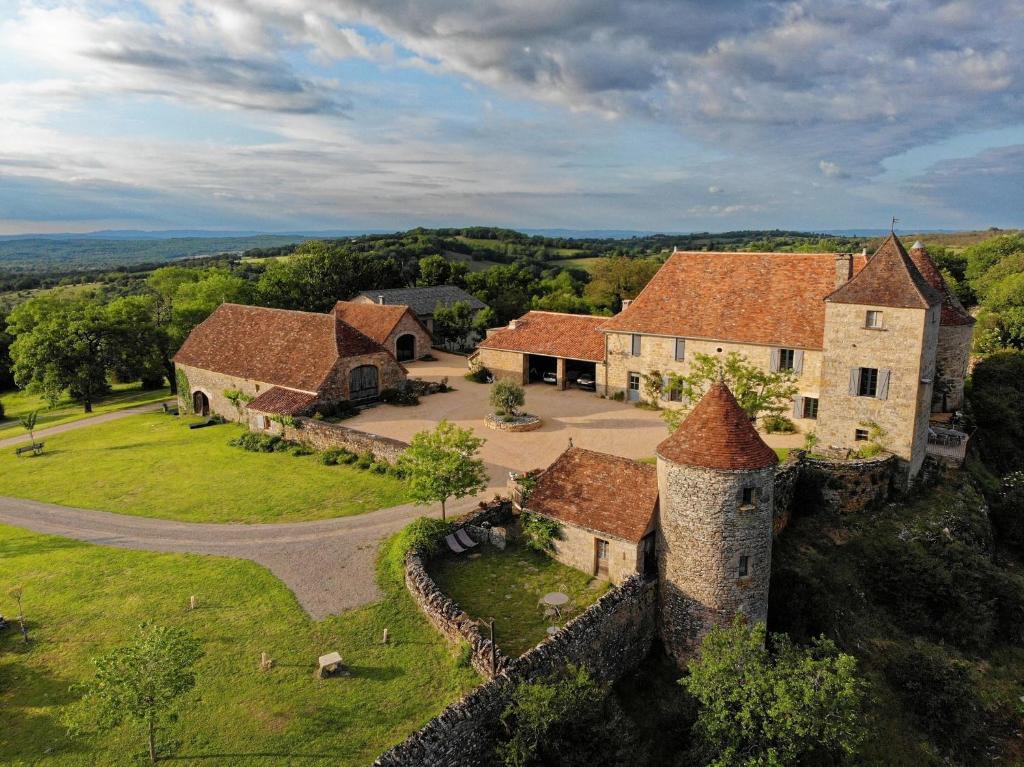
(275, 361)
(393, 326)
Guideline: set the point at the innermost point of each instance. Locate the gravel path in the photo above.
(114, 415)
(328, 564)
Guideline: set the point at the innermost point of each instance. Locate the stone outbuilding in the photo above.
(393, 326)
(605, 507)
(424, 301)
(248, 361)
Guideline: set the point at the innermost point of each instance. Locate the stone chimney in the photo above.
(380, 299)
(626, 302)
(513, 324)
(844, 268)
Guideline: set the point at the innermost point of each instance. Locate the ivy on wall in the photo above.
(184, 391)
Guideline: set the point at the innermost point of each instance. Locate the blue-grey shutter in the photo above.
(680, 348)
(882, 391)
(798, 406)
(854, 381)
(798, 361)
(776, 357)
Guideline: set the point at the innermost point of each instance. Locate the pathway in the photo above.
(329, 564)
(113, 415)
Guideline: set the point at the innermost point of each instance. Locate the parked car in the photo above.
(550, 377)
(586, 381)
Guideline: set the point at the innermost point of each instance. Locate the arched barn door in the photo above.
(200, 403)
(405, 347)
(362, 383)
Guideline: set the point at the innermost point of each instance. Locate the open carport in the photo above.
(566, 371)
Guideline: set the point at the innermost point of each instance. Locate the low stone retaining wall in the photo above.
(610, 639)
(786, 476)
(847, 486)
(322, 435)
(522, 423)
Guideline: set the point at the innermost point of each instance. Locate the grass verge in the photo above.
(19, 403)
(81, 600)
(508, 585)
(152, 465)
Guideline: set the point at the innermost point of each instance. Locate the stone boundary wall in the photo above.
(522, 423)
(847, 487)
(442, 611)
(322, 435)
(610, 639)
(787, 474)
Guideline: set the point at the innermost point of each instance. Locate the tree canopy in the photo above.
(442, 464)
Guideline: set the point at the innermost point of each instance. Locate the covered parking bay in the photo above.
(566, 347)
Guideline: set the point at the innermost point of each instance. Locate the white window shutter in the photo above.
(798, 361)
(798, 406)
(774, 366)
(882, 391)
(854, 381)
(664, 387)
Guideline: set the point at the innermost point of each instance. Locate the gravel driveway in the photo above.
(328, 564)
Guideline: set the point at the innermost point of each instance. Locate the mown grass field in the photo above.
(589, 265)
(19, 403)
(81, 600)
(508, 585)
(153, 465)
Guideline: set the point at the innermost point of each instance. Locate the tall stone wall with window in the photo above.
(659, 353)
(905, 346)
(952, 357)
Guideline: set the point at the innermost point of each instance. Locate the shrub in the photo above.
(299, 449)
(463, 654)
(403, 395)
(939, 694)
(877, 443)
(2, 411)
(619, 396)
(775, 423)
(347, 457)
(338, 410)
(259, 443)
(1007, 510)
(380, 467)
(364, 460)
(331, 457)
(479, 374)
(540, 532)
(506, 397)
(425, 535)
(810, 441)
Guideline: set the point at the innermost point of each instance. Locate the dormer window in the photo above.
(874, 320)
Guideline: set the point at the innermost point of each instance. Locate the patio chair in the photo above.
(453, 544)
(464, 539)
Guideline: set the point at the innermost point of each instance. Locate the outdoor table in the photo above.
(557, 600)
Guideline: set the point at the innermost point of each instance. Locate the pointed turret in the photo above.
(718, 434)
(890, 278)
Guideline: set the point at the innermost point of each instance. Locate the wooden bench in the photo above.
(35, 448)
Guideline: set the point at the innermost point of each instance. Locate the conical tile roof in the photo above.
(718, 434)
(889, 278)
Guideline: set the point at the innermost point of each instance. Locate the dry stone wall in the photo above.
(787, 474)
(610, 639)
(322, 435)
(847, 487)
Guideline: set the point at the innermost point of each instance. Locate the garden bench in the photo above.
(35, 448)
(464, 539)
(201, 424)
(453, 544)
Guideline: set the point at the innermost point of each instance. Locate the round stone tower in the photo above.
(714, 536)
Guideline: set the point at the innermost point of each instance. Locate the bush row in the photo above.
(272, 443)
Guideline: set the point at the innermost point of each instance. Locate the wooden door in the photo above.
(601, 557)
(363, 383)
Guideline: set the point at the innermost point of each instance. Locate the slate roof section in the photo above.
(718, 434)
(280, 401)
(600, 492)
(373, 320)
(889, 278)
(424, 300)
(774, 299)
(953, 312)
(573, 336)
(295, 350)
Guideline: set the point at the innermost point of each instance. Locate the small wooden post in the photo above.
(385, 639)
(265, 662)
(192, 602)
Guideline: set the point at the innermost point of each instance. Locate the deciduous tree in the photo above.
(443, 464)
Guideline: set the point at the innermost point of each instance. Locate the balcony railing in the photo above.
(948, 444)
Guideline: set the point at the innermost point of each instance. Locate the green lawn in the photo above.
(18, 403)
(586, 264)
(507, 586)
(81, 600)
(782, 452)
(153, 465)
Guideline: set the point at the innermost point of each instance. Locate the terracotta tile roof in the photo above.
(717, 434)
(953, 312)
(889, 278)
(761, 298)
(296, 350)
(573, 336)
(282, 402)
(601, 492)
(374, 320)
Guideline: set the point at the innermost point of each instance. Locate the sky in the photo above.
(675, 116)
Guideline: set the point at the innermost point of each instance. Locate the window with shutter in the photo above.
(798, 361)
(798, 406)
(882, 390)
(680, 349)
(773, 365)
(854, 381)
(635, 345)
(785, 359)
(868, 386)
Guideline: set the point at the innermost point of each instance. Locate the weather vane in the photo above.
(892, 228)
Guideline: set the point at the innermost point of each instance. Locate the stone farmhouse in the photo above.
(879, 339)
(423, 301)
(279, 362)
(393, 326)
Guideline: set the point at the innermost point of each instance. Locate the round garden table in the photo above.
(557, 600)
